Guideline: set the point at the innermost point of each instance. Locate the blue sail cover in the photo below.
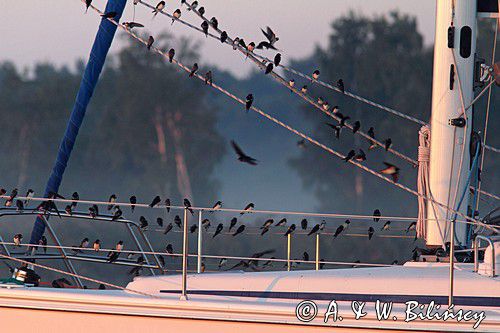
(102, 42)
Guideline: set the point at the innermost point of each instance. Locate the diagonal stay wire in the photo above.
(289, 128)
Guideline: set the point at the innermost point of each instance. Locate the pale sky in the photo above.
(58, 31)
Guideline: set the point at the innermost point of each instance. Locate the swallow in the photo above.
(240, 229)
(412, 226)
(193, 228)
(96, 245)
(269, 263)
(201, 11)
(204, 26)
(133, 202)
(391, 170)
(340, 228)
(19, 205)
(343, 119)
(43, 242)
(267, 224)
(264, 230)
(314, 230)
(277, 59)
(12, 195)
(386, 226)
(290, 230)
(340, 85)
(251, 46)
(356, 126)
(315, 75)
(84, 243)
(248, 208)
(177, 221)
(376, 215)
(187, 205)
(371, 231)
(218, 230)
(301, 143)
(87, 5)
(208, 78)
(17, 239)
(111, 200)
(161, 260)
(336, 129)
(151, 40)
(131, 25)
(93, 211)
(155, 201)
(269, 68)
(303, 224)
(242, 157)
(159, 7)
(171, 54)
(168, 228)
(193, 5)
(176, 15)
(108, 15)
(193, 69)
(241, 43)
(143, 222)
(223, 37)
(371, 134)
(113, 255)
(29, 195)
(395, 262)
(75, 197)
(233, 222)
(169, 249)
(222, 263)
(387, 144)
(305, 256)
(167, 204)
(360, 156)
(117, 214)
(270, 35)
(303, 89)
(266, 45)
(322, 225)
(214, 23)
(291, 83)
(206, 223)
(217, 205)
(159, 221)
(349, 156)
(320, 101)
(236, 42)
(335, 109)
(325, 106)
(2, 191)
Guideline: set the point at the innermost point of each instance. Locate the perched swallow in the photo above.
(217, 205)
(376, 215)
(291, 83)
(371, 231)
(251, 46)
(167, 204)
(233, 222)
(29, 194)
(159, 221)
(214, 23)
(168, 228)
(236, 42)
(371, 134)
(269, 68)
(204, 26)
(93, 211)
(2, 191)
(349, 156)
(17, 239)
(305, 256)
(386, 226)
(87, 5)
(248, 208)
(143, 222)
(264, 230)
(176, 15)
(193, 5)
(315, 75)
(108, 15)
(223, 37)
(412, 226)
(222, 263)
(194, 69)
(201, 11)
(325, 106)
(290, 230)
(340, 85)
(208, 78)
(111, 200)
(193, 228)
(169, 249)
(322, 225)
(151, 40)
(304, 89)
(84, 243)
(177, 221)
(206, 223)
(241, 43)
(356, 126)
(155, 201)
(270, 35)
(133, 202)
(240, 229)
(387, 144)
(117, 214)
(19, 205)
(218, 230)
(340, 228)
(97, 245)
(303, 224)
(159, 7)
(314, 230)
(360, 156)
(187, 205)
(75, 197)
(242, 157)
(12, 195)
(267, 224)
(171, 54)
(113, 255)
(391, 170)
(43, 242)
(277, 59)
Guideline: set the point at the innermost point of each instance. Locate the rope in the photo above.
(77, 276)
(423, 178)
(289, 128)
(296, 72)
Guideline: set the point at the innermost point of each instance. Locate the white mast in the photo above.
(453, 76)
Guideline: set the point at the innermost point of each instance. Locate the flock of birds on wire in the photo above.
(49, 206)
(271, 39)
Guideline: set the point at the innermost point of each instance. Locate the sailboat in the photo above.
(432, 293)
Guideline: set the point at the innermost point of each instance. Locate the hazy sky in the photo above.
(59, 32)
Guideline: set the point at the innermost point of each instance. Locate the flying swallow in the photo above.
(131, 25)
(266, 45)
(242, 157)
(270, 35)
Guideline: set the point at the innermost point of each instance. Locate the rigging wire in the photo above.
(289, 128)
